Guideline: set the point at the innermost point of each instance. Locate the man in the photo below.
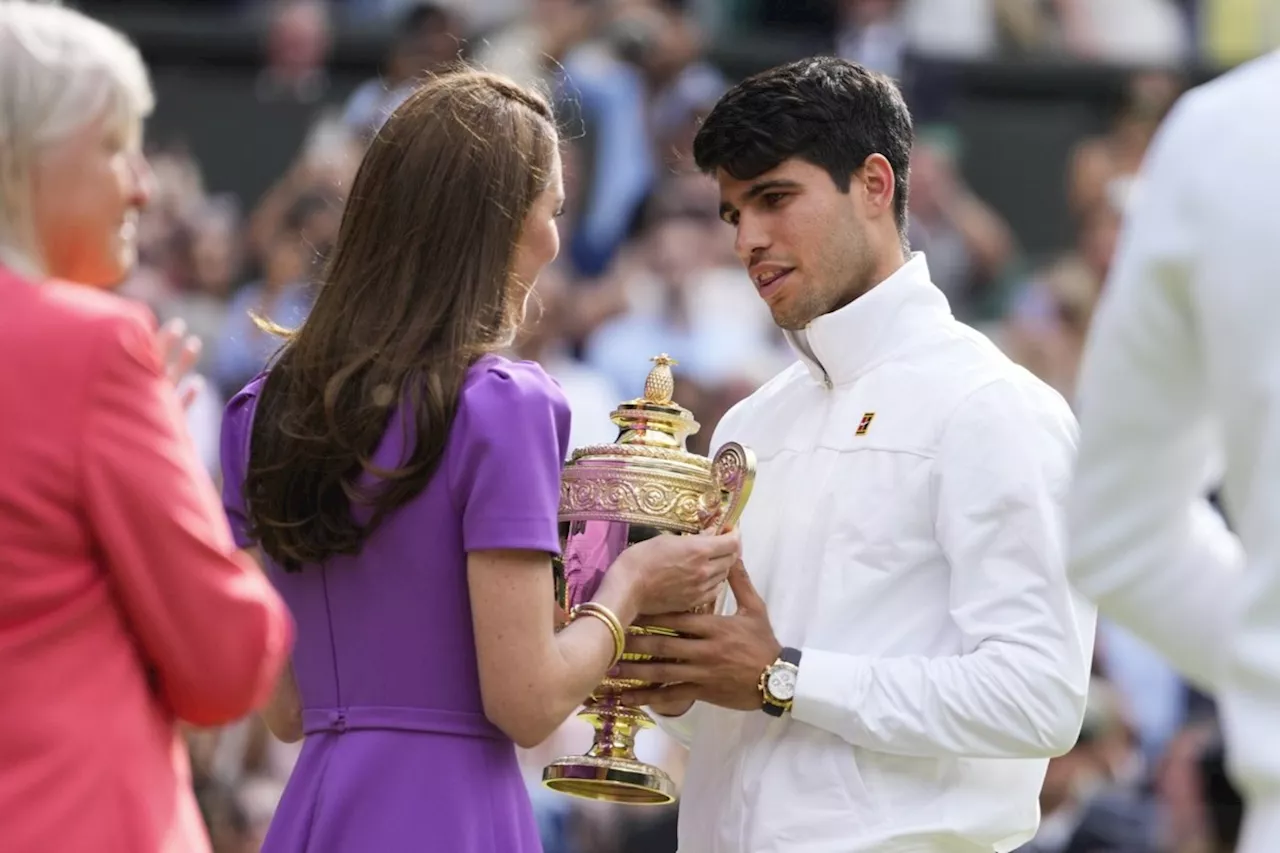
(1181, 374)
(914, 655)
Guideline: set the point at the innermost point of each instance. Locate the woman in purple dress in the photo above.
(401, 481)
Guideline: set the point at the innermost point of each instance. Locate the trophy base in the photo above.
(610, 780)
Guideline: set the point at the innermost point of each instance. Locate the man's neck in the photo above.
(886, 264)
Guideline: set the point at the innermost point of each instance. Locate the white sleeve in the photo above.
(1144, 543)
(681, 728)
(1018, 686)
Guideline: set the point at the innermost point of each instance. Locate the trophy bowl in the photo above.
(613, 496)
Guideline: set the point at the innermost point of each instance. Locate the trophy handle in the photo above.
(734, 468)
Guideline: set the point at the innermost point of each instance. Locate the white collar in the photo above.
(840, 346)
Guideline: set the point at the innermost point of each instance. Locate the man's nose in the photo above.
(750, 238)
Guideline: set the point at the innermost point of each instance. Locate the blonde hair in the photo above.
(60, 70)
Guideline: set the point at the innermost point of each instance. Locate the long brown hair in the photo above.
(418, 285)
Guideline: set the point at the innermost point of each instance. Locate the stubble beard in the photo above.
(788, 323)
(795, 317)
(859, 262)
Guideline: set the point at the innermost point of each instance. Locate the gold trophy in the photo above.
(612, 496)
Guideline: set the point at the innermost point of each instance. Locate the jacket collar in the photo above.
(839, 347)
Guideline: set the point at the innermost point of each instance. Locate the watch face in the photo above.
(782, 683)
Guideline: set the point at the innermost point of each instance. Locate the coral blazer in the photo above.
(124, 606)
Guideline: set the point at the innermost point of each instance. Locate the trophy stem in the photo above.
(616, 727)
(610, 771)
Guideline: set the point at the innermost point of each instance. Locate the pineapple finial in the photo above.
(660, 385)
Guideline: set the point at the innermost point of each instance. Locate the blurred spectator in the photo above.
(207, 262)
(1046, 327)
(1102, 166)
(952, 29)
(1092, 801)
(686, 301)
(283, 296)
(1223, 803)
(324, 167)
(226, 817)
(1203, 811)
(882, 34)
(968, 244)
(631, 80)
(663, 41)
(1133, 32)
(1156, 696)
(605, 99)
(873, 33)
(531, 48)
(179, 194)
(426, 39)
(299, 38)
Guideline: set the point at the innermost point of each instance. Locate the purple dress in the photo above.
(398, 754)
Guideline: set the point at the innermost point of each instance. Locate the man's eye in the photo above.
(773, 199)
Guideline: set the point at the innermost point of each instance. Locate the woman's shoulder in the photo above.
(497, 383)
(237, 425)
(502, 399)
(242, 403)
(86, 317)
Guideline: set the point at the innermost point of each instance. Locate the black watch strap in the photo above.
(789, 655)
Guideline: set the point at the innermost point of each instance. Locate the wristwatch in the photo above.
(778, 683)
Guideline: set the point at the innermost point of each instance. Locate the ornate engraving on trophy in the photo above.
(658, 496)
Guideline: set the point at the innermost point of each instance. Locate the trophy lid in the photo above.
(655, 419)
(647, 476)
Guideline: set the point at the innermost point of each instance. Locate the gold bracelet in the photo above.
(605, 615)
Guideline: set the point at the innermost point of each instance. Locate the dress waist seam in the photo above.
(391, 718)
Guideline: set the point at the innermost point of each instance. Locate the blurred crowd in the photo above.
(648, 268)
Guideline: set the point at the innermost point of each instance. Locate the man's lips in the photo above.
(769, 282)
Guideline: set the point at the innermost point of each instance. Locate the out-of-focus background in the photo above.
(1033, 116)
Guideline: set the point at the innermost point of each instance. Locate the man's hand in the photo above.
(179, 352)
(718, 659)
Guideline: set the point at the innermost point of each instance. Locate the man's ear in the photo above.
(876, 178)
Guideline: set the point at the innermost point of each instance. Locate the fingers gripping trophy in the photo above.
(613, 496)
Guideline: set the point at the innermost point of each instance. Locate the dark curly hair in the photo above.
(826, 111)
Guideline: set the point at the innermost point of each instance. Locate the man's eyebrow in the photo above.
(758, 189)
(763, 187)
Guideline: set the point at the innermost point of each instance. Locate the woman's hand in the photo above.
(179, 353)
(673, 573)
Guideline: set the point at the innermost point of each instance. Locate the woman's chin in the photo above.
(118, 265)
(107, 273)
